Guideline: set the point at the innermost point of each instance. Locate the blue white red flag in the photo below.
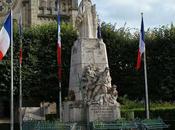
(99, 31)
(59, 49)
(20, 25)
(5, 35)
(141, 45)
(20, 35)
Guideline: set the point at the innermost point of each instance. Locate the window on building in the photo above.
(49, 4)
(1, 6)
(8, 1)
(41, 11)
(64, 6)
(74, 4)
(43, 3)
(56, 5)
(42, 6)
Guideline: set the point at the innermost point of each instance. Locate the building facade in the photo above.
(36, 12)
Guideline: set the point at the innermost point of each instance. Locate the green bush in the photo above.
(39, 68)
(51, 117)
(165, 110)
(128, 115)
(165, 114)
(127, 104)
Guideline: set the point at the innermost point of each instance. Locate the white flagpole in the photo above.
(12, 100)
(59, 67)
(146, 85)
(60, 101)
(20, 98)
(20, 73)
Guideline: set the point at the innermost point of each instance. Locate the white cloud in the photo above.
(156, 12)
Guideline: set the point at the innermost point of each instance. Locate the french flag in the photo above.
(5, 35)
(99, 31)
(20, 34)
(141, 46)
(59, 49)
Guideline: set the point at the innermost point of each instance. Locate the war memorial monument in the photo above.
(92, 97)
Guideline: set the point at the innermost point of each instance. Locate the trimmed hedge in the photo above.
(167, 114)
(164, 113)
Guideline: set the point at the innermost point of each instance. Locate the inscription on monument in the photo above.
(102, 113)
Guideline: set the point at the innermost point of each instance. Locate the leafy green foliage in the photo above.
(39, 67)
(122, 53)
(40, 62)
(133, 105)
(166, 113)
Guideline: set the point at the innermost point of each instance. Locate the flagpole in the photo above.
(20, 97)
(12, 98)
(59, 70)
(60, 101)
(146, 85)
(20, 73)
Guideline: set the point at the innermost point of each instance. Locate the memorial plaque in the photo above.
(73, 113)
(103, 113)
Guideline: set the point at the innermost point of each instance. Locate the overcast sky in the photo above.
(156, 12)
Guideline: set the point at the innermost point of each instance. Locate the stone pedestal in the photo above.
(85, 52)
(73, 113)
(94, 112)
(103, 113)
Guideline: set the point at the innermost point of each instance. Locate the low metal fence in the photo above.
(46, 125)
(147, 124)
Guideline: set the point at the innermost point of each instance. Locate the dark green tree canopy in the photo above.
(39, 69)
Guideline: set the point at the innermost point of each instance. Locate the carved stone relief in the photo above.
(97, 87)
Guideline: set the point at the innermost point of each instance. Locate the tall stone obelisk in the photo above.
(88, 49)
(90, 91)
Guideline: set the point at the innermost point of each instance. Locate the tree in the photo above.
(39, 68)
(40, 65)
